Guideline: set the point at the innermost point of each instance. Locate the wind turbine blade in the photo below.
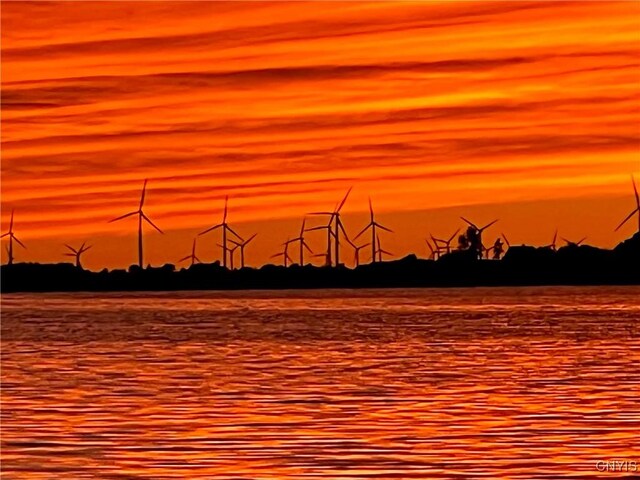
(626, 219)
(555, 237)
(19, 242)
(144, 190)
(250, 238)
(210, 229)
(226, 202)
(488, 225)
(363, 230)
(124, 216)
(87, 248)
(320, 213)
(581, 240)
(506, 240)
(371, 209)
(342, 228)
(232, 231)
(635, 191)
(234, 242)
(320, 227)
(184, 258)
(471, 224)
(70, 248)
(304, 220)
(304, 244)
(11, 222)
(5, 234)
(383, 227)
(453, 236)
(365, 245)
(276, 255)
(197, 259)
(151, 223)
(385, 252)
(343, 200)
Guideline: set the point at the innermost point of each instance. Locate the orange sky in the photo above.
(524, 111)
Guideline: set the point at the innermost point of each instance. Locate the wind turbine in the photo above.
(372, 225)
(141, 216)
(193, 256)
(225, 228)
(303, 244)
(552, 245)
(434, 252)
(12, 237)
(356, 251)
(334, 217)
(474, 235)
(242, 245)
(636, 210)
(445, 243)
(77, 252)
(330, 233)
(284, 254)
(574, 244)
(232, 252)
(380, 250)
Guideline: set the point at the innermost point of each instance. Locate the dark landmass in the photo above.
(525, 265)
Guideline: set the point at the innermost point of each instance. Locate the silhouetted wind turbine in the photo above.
(141, 216)
(77, 252)
(330, 233)
(636, 210)
(356, 251)
(303, 244)
(445, 243)
(372, 225)
(284, 254)
(574, 244)
(225, 227)
(337, 225)
(552, 245)
(380, 250)
(12, 237)
(433, 252)
(242, 245)
(193, 256)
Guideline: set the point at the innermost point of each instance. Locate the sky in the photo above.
(528, 112)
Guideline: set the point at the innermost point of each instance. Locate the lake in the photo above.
(331, 384)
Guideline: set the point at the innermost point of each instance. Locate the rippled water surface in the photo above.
(488, 383)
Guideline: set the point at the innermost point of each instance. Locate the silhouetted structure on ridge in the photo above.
(141, 216)
(473, 238)
(521, 265)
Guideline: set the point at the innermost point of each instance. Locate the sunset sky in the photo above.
(524, 111)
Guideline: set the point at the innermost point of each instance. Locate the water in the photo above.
(388, 384)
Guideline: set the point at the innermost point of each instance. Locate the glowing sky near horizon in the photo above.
(527, 111)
